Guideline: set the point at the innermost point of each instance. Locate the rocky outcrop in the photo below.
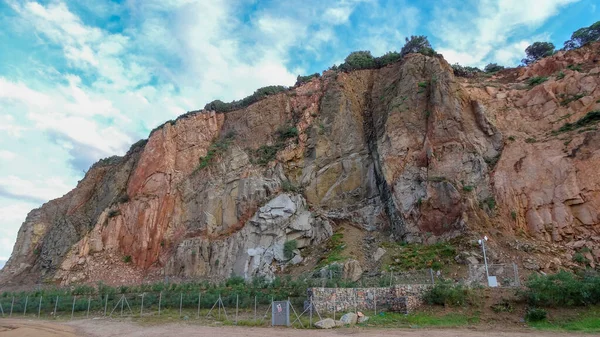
(258, 248)
(407, 150)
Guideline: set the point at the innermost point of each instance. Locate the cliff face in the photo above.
(408, 150)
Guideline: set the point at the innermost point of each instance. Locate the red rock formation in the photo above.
(407, 149)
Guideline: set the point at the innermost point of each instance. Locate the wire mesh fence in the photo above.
(236, 309)
(186, 305)
(423, 276)
(507, 275)
(334, 278)
(236, 301)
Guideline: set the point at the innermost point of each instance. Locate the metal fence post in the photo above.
(106, 305)
(180, 303)
(431, 273)
(12, 306)
(73, 308)
(355, 301)
(375, 302)
(272, 317)
(199, 301)
(255, 308)
(311, 310)
(334, 303)
(88, 308)
(142, 306)
(122, 303)
(40, 307)
(237, 299)
(159, 302)
(26, 300)
(56, 306)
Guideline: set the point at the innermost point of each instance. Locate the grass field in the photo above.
(588, 321)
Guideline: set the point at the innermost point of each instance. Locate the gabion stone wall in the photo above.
(349, 299)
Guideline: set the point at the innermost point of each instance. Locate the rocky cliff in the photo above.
(408, 151)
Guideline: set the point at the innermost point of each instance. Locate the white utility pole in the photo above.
(492, 282)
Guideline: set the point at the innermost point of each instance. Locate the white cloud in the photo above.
(394, 22)
(109, 88)
(340, 12)
(68, 111)
(511, 53)
(8, 126)
(7, 155)
(474, 38)
(337, 15)
(34, 188)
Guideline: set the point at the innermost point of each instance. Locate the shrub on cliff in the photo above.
(287, 132)
(137, 145)
(465, 71)
(288, 248)
(305, 79)
(538, 50)
(217, 148)
(363, 59)
(259, 94)
(265, 154)
(583, 36)
(589, 118)
(492, 68)
(417, 44)
(359, 60)
(533, 81)
(388, 58)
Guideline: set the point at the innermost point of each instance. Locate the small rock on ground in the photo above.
(327, 323)
(349, 318)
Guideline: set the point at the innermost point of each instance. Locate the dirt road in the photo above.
(102, 328)
(30, 328)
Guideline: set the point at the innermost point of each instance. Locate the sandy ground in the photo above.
(103, 327)
(30, 328)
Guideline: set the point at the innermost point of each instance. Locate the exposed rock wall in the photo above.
(253, 249)
(407, 149)
(349, 299)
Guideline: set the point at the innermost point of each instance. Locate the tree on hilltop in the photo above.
(537, 51)
(417, 44)
(583, 36)
(492, 68)
(361, 59)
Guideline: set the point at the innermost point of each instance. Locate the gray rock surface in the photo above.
(379, 254)
(256, 249)
(349, 318)
(472, 260)
(352, 270)
(327, 323)
(296, 259)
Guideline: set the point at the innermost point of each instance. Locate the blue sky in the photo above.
(83, 80)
